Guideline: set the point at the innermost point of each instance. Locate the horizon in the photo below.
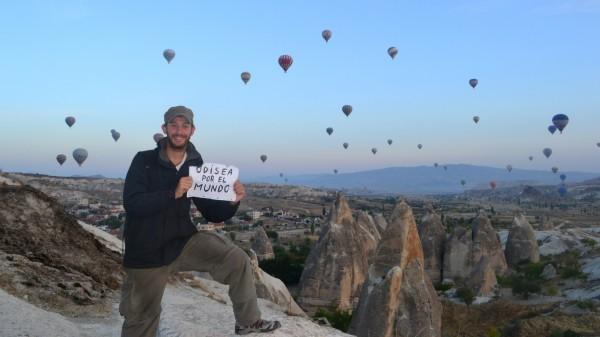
(258, 179)
(102, 63)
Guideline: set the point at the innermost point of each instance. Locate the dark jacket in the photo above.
(157, 225)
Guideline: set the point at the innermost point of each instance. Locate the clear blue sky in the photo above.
(101, 61)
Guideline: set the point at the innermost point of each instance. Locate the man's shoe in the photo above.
(259, 326)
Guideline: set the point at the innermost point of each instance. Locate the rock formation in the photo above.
(380, 222)
(473, 254)
(337, 266)
(398, 298)
(433, 237)
(272, 289)
(261, 245)
(549, 272)
(48, 258)
(521, 245)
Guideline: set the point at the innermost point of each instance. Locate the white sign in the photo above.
(213, 181)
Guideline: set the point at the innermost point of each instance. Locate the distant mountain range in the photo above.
(428, 179)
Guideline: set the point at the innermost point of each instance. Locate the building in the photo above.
(254, 215)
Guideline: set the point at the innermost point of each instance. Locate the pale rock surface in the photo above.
(475, 255)
(398, 298)
(549, 272)
(337, 266)
(380, 222)
(273, 289)
(262, 245)
(521, 245)
(433, 237)
(187, 312)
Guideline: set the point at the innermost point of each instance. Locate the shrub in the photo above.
(493, 332)
(287, 265)
(443, 286)
(338, 319)
(524, 287)
(466, 295)
(586, 305)
(571, 333)
(552, 290)
(589, 242)
(272, 234)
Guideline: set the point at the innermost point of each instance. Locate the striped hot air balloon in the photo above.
(285, 62)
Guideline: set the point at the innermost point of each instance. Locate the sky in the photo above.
(101, 62)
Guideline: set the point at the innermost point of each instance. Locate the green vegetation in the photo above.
(338, 319)
(287, 264)
(494, 332)
(111, 222)
(566, 333)
(568, 265)
(586, 305)
(272, 234)
(526, 281)
(589, 242)
(466, 295)
(443, 286)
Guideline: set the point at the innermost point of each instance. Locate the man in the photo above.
(160, 238)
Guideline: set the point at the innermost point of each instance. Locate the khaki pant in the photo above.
(143, 289)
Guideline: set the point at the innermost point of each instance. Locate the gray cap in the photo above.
(179, 110)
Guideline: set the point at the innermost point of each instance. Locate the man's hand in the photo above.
(185, 183)
(240, 191)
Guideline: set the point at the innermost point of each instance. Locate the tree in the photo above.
(466, 295)
(272, 234)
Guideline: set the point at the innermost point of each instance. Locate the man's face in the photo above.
(179, 131)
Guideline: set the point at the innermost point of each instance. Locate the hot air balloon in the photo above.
(326, 34)
(436, 165)
(473, 82)
(530, 158)
(263, 158)
(598, 144)
(509, 168)
(562, 190)
(389, 141)
(169, 55)
(116, 135)
(554, 169)
(61, 158)
(392, 51)
(335, 171)
(345, 145)
(157, 137)
(420, 146)
(70, 121)
(493, 185)
(476, 119)
(552, 129)
(374, 150)
(563, 177)
(547, 152)
(245, 77)
(560, 121)
(329, 131)
(281, 175)
(347, 109)
(463, 182)
(285, 62)
(445, 168)
(80, 155)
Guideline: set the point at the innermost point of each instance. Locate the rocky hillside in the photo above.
(61, 278)
(47, 258)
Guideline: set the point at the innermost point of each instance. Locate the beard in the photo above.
(178, 147)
